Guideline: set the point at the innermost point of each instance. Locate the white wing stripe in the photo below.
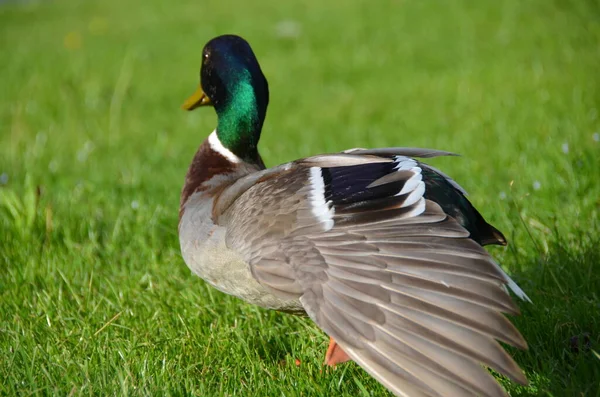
(321, 209)
(405, 163)
(415, 195)
(411, 184)
(414, 186)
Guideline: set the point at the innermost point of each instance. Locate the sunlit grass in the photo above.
(93, 149)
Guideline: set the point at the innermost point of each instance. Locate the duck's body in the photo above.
(382, 251)
(202, 233)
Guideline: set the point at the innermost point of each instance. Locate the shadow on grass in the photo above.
(272, 350)
(562, 326)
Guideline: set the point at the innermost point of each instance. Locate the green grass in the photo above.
(95, 298)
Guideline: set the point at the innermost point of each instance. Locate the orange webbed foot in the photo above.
(335, 354)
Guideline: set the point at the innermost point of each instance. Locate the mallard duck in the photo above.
(383, 252)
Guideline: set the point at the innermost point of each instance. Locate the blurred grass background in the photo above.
(93, 150)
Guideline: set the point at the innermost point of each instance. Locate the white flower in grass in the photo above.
(565, 148)
(53, 166)
(537, 185)
(85, 151)
(288, 29)
(135, 204)
(3, 178)
(596, 136)
(502, 195)
(41, 138)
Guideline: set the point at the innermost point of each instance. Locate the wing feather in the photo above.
(396, 281)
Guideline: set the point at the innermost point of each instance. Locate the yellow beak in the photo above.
(198, 98)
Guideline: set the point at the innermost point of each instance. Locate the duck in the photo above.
(381, 251)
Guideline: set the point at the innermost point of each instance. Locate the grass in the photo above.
(93, 149)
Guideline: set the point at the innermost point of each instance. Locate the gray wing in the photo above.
(385, 272)
(400, 151)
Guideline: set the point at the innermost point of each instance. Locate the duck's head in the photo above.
(231, 81)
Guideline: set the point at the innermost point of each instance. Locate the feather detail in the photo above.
(398, 283)
(320, 208)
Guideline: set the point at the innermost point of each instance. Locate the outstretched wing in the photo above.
(387, 273)
(446, 192)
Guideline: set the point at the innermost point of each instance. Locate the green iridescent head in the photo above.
(232, 82)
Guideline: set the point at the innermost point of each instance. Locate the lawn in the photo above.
(95, 297)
